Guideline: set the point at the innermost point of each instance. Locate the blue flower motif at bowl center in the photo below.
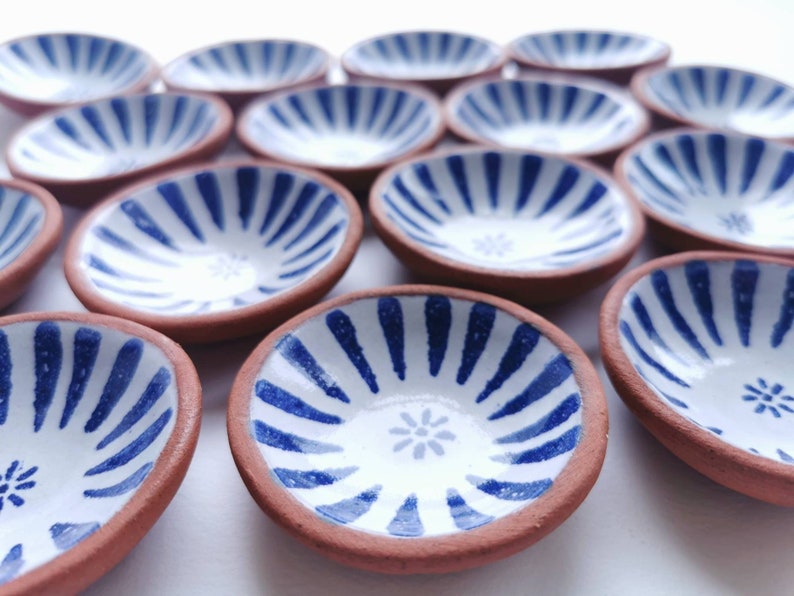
(17, 480)
(424, 434)
(770, 398)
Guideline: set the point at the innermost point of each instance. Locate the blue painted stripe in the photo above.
(110, 237)
(247, 188)
(349, 510)
(753, 152)
(784, 172)
(510, 491)
(785, 457)
(520, 99)
(278, 439)
(594, 195)
(478, 331)
(565, 182)
(151, 117)
(17, 215)
(308, 267)
(390, 316)
(130, 483)
(464, 516)
(305, 199)
(743, 283)
(84, 353)
(69, 129)
(5, 377)
(121, 110)
(699, 282)
(493, 168)
(325, 208)
(177, 116)
(529, 171)
(549, 450)
(525, 338)
(145, 223)
(310, 479)
(686, 145)
(66, 536)
(627, 333)
(406, 521)
(283, 184)
(649, 176)
(673, 400)
(344, 331)
(327, 98)
(291, 404)
(567, 408)
(11, 564)
(664, 293)
(209, 189)
(779, 331)
(94, 120)
(333, 231)
(351, 105)
(554, 374)
(121, 375)
(457, 170)
(172, 194)
(45, 44)
(438, 321)
(646, 322)
(48, 359)
(402, 190)
(293, 351)
(422, 173)
(716, 152)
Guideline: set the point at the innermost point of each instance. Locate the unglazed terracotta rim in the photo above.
(239, 322)
(441, 554)
(486, 275)
(255, 149)
(616, 70)
(492, 69)
(611, 90)
(85, 563)
(639, 84)
(216, 136)
(692, 239)
(15, 277)
(724, 463)
(30, 106)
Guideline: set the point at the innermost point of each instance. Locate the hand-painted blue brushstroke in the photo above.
(478, 331)
(530, 168)
(661, 286)
(567, 408)
(284, 400)
(130, 483)
(463, 515)
(457, 171)
(94, 120)
(510, 491)
(785, 457)
(146, 224)
(121, 375)
(753, 152)
(349, 510)
(209, 188)
(594, 195)
(311, 478)
(646, 322)
(673, 400)
(628, 334)
(5, 377)
(11, 564)
(344, 331)
(784, 173)
(84, 354)
(566, 181)
(525, 338)
(65, 536)
(493, 167)
(247, 189)
(122, 113)
(549, 450)
(438, 321)
(699, 282)
(173, 196)
(552, 376)
(406, 521)
(743, 283)
(294, 352)
(305, 199)
(281, 190)
(273, 437)
(716, 152)
(49, 357)
(785, 319)
(390, 316)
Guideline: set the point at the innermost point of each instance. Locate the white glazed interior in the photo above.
(21, 220)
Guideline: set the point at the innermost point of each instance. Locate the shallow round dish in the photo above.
(717, 97)
(436, 59)
(349, 131)
(84, 152)
(699, 347)
(238, 71)
(379, 430)
(534, 228)
(706, 190)
(46, 71)
(215, 251)
(607, 55)
(569, 116)
(99, 419)
(31, 223)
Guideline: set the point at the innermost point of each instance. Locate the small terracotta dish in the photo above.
(571, 116)
(349, 131)
(606, 55)
(378, 429)
(215, 251)
(238, 71)
(99, 419)
(719, 98)
(534, 228)
(709, 190)
(699, 347)
(84, 152)
(436, 59)
(30, 229)
(52, 70)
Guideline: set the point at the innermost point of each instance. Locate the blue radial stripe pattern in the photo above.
(471, 423)
(727, 186)
(21, 220)
(713, 339)
(247, 233)
(106, 399)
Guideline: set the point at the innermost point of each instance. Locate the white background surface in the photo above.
(650, 526)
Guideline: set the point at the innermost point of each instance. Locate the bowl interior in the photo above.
(712, 341)
(342, 126)
(413, 416)
(728, 187)
(507, 211)
(212, 240)
(21, 219)
(84, 413)
(113, 136)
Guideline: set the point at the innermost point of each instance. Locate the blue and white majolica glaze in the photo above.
(735, 191)
(720, 98)
(22, 216)
(551, 114)
(48, 70)
(85, 412)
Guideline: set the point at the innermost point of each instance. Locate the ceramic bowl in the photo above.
(607, 55)
(215, 251)
(708, 190)
(349, 131)
(699, 347)
(30, 229)
(379, 430)
(99, 418)
(555, 114)
(84, 152)
(239, 71)
(435, 59)
(46, 71)
(533, 228)
(717, 97)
